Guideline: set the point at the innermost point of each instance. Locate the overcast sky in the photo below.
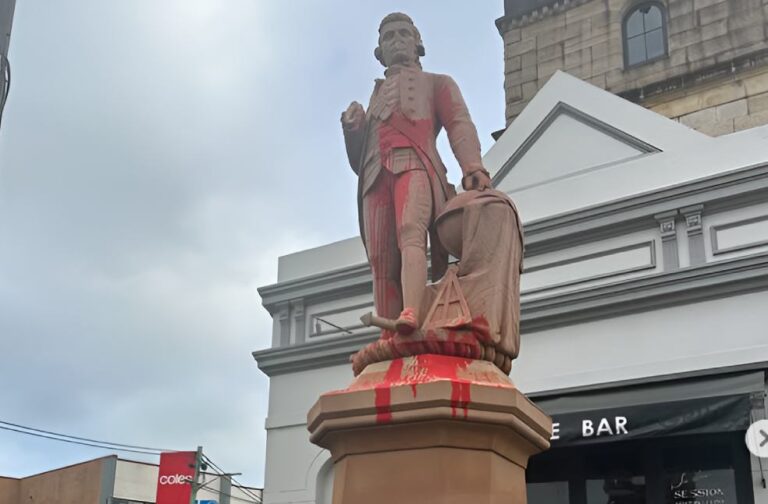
(156, 157)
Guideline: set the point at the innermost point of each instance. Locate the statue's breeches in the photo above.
(396, 215)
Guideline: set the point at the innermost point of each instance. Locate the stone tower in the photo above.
(702, 62)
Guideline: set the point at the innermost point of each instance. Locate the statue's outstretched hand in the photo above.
(354, 117)
(479, 180)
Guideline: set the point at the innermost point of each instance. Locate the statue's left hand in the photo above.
(479, 180)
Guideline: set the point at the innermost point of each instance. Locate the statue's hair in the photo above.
(399, 16)
(396, 16)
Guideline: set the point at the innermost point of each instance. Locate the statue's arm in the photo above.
(353, 126)
(462, 134)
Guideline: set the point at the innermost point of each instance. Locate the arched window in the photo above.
(645, 34)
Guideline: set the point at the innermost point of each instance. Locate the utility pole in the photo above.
(6, 21)
(225, 488)
(195, 484)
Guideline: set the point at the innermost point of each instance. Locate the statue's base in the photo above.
(429, 429)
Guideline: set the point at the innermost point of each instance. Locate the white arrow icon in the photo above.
(757, 438)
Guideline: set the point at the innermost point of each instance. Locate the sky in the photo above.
(156, 158)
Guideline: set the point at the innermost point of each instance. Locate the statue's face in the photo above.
(398, 43)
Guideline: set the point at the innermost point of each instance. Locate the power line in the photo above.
(96, 441)
(257, 501)
(239, 484)
(108, 445)
(224, 473)
(76, 442)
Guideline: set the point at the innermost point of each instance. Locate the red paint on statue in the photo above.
(445, 104)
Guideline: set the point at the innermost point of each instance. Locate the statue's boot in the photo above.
(407, 322)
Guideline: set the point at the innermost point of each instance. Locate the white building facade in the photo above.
(644, 308)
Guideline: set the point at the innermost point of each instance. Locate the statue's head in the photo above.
(399, 40)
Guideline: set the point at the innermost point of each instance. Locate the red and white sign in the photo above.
(174, 481)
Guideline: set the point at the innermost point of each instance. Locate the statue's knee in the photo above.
(413, 235)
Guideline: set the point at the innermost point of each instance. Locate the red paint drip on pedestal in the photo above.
(383, 391)
(460, 397)
(383, 404)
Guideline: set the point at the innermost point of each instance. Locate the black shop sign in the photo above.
(695, 416)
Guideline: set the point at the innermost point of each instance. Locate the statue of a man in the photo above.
(402, 181)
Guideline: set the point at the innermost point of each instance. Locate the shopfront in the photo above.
(678, 442)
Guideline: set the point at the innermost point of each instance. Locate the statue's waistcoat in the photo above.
(403, 103)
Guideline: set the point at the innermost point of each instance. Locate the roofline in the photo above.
(70, 466)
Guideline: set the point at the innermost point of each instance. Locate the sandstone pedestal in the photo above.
(429, 429)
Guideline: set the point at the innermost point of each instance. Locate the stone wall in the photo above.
(584, 38)
(736, 104)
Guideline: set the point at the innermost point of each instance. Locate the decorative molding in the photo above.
(563, 109)
(695, 231)
(283, 323)
(717, 250)
(689, 285)
(692, 217)
(668, 234)
(299, 321)
(649, 244)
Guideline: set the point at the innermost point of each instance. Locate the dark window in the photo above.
(645, 34)
(706, 468)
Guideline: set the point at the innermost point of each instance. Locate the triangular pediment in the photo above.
(567, 142)
(570, 128)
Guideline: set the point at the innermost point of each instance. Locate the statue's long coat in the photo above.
(421, 105)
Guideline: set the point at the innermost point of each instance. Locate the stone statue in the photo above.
(402, 192)
(431, 415)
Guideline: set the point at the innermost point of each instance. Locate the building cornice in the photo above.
(312, 355)
(688, 285)
(663, 290)
(350, 278)
(638, 211)
(732, 69)
(566, 230)
(519, 13)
